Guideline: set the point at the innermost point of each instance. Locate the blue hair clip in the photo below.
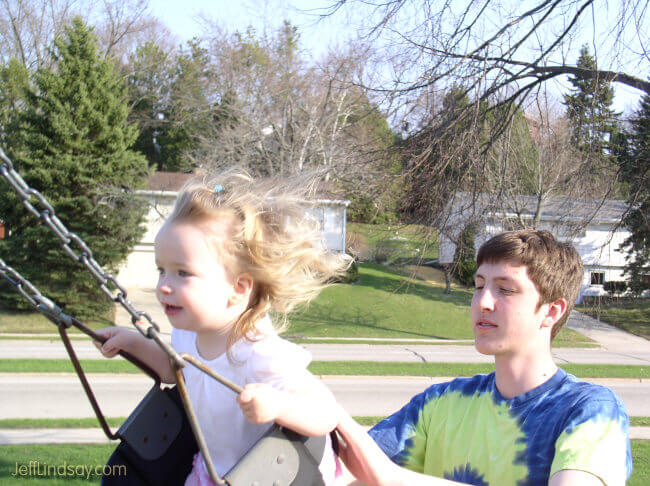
(218, 188)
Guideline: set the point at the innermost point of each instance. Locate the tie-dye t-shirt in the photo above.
(465, 430)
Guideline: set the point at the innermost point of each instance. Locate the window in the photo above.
(597, 278)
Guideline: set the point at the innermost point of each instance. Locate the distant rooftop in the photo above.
(553, 208)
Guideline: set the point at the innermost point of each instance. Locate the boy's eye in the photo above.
(161, 271)
(478, 287)
(506, 291)
(183, 273)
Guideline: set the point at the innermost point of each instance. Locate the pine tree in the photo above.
(635, 170)
(73, 147)
(589, 111)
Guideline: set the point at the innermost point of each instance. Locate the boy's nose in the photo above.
(486, 299)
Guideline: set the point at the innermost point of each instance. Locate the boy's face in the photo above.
(505, 317)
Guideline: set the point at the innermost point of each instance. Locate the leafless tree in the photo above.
(28, 27)
(500, 57)
(276, 113)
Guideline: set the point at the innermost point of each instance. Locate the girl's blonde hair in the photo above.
(273, 238)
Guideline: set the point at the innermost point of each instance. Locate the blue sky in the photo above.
(181, 17)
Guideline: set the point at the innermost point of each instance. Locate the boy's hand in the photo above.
(118, 340)
(261, 403)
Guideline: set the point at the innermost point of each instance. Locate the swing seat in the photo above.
(157, 447)
(156, 443)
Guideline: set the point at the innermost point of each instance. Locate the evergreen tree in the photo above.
(635, 170)
(592, 120)
(73, 147)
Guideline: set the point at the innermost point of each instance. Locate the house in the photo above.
(139, 270)
(591, 225)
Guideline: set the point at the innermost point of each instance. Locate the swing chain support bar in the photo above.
(41, 303)
(54, 313)
(194, 423)
(85, 257)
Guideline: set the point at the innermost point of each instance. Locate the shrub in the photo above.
(464, 260)
(615, 286)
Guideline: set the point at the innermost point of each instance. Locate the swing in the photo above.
(160, 437)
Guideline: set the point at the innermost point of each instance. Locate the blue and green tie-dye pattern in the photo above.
(466, 431)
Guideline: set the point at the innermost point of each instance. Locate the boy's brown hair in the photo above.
(554, 267)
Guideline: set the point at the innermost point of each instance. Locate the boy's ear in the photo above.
(243, 287)
(556, 310)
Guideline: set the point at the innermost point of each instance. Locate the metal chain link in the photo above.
(44, 211)
(41, 303)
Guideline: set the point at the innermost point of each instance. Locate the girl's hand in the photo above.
(119, 339)
(261, 403)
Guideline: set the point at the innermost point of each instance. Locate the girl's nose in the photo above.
(163, 286)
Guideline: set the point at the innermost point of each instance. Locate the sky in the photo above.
(182, 17)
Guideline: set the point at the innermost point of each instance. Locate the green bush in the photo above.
(352, 275)
(464, 267)
(615, 286)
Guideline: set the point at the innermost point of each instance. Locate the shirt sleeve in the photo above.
(596, 440)
(279, 363)
(402, 436)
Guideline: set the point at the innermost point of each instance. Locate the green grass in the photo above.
(404, 239)
(35, 323)
(91, 423)
(98, 454)
(58, 423)
(641, 460)
(632, 316)
(75, 455)
(369, 368)
(382, 305)
(363, 368)
(387, 305)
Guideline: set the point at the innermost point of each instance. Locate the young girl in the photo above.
(232, 251)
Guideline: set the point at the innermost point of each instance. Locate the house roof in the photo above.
(553, 209)
(168, 181)
(172, 182)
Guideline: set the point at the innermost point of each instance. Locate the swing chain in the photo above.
(85, 257)
(41, 303)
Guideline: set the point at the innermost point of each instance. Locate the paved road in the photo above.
(37, 396)
(53, 349)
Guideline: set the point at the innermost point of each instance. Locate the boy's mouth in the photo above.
(482, 324)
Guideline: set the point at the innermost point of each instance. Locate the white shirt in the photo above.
(270, 360)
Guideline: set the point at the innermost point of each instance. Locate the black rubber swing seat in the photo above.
(157, 446)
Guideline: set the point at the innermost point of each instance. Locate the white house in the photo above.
(591, 225)
(139, 270)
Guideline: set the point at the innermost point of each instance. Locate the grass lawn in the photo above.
(363, 368)
(385, 304)
(93, 455)
(91, 423)
(35, 323)
(405, 240)
(631, 316)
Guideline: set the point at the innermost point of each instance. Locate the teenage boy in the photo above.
(528, 422)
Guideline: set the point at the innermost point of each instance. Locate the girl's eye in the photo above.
(478, 287)
(183, 273)
(507, 291)
(161, 271)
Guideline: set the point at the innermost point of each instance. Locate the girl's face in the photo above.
(195, 289)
